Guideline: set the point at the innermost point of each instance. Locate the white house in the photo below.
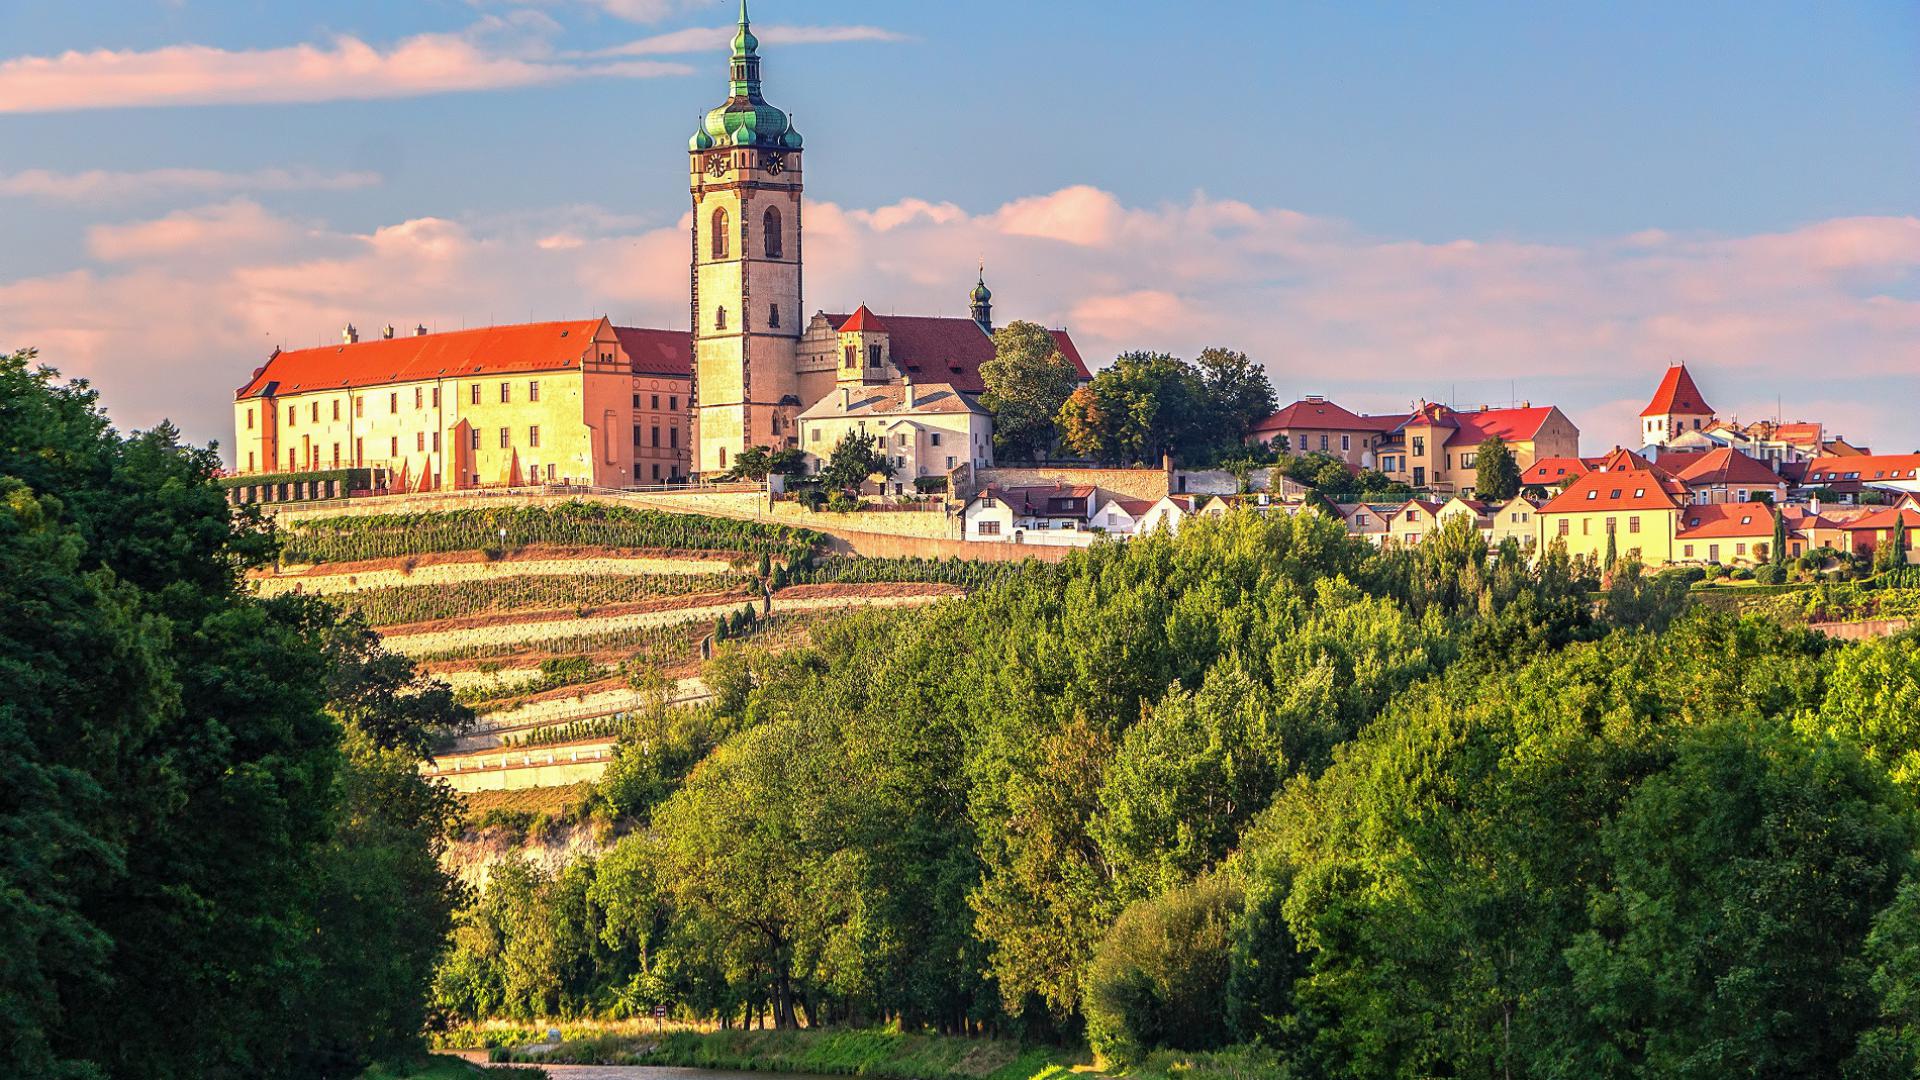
(924, 431)
(1030, 514)
(1121, 516)
(1168, 513)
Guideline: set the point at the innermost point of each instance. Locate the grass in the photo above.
(441, 1067)
(891, 1055)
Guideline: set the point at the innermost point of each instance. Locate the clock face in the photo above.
(775, 164)
(717, 165)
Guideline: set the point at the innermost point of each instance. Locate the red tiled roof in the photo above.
(863, 321)
(930, 349)
(493, 350)
(1883, 519)
(1620, 459)
(657, 352)
(1632, 489)
(1321, 415)
(1865, 467)
(1553, 470)
(1510, 424)
(1677, 394)
(1719, 520)
(1726, 466)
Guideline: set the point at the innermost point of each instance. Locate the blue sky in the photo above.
(1609, 160)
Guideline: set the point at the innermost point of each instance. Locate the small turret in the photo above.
(980, 302)
(350, 335)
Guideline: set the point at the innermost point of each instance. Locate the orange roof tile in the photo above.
(1677, 395)
(1864, 467)
(1633, 489)
(1727, 466)
(1717, 520)
(1553, 470)
(494, 350)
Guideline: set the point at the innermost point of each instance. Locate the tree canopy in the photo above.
(1027, 382)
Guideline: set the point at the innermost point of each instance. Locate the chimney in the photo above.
(420, 331)
(350, 335)
(387, 334)
(846, 398)
(912, 398)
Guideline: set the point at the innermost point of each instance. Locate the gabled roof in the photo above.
(1883, 519)
(1620, 459)
(657, 352)
(1321, 414)
(1032, 501)
(494, 350)
(1552, 470)
(890, 399)
(1134, 508)
(1716, 520)
(1513, 425)
(930, 349)
(1677, 395)
(1864, 468)
(1632, 489)
(1726, 466)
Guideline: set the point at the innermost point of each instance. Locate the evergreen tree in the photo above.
(1778, 555)
(1496, 474)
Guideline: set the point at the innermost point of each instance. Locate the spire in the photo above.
(746, 119)
(980, 301)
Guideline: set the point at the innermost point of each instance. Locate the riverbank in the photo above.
(890, 1055)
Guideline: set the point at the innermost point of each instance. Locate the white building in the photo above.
(924, 431)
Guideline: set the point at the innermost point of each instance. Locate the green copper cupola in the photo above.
(746, 119)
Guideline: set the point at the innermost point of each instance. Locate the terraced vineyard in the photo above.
(582, 616)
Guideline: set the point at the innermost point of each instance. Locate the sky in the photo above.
(1470, 202)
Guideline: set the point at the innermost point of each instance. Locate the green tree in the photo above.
(1159, 977)
(1238, 395)
(1144, 406)
(856, 458)
(1496, 474)
(1777, 554)
(1026, 382)
(1892, 554)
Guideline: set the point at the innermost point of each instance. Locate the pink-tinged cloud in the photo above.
(99, 185)
(185, 305)
(345, 69)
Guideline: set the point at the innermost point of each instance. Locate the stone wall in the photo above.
(523, 633)
(1132, 483)
(453, 573)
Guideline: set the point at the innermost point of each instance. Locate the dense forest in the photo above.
(1423, 813)
(1400, 814)
(217, 855)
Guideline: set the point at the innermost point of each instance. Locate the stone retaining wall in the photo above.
(1132, 483)
(456, 573)
(508, 633)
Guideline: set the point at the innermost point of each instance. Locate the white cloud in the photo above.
(496, 53)
(99, 185)
(187, 304)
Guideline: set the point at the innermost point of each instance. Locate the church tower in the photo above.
(747, 322)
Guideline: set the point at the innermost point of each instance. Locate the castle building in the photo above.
(591, 403)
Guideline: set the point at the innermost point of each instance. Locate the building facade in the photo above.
(567, 403)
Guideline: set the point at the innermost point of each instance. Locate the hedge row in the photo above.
(396, 604)
(348, 538)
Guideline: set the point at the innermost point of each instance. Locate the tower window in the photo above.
(720, 248)
(853, 357)
(771, 223)
(773, 316)
(873, 356)
(720, 319)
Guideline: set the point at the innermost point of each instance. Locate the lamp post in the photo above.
(503, 539)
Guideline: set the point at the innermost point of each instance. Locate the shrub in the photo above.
(842, 503)
(1687, 574)
(1159, 977)
(1741, 573)
(1770, 575)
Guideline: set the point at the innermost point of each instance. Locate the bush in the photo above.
(1741, 573)
(1687, 574)
(842, 503)
(1159, 977)
(1770, 575)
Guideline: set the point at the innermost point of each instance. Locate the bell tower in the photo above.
(746, 182)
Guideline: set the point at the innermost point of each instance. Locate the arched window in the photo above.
(773, 316)
(720, 319)
(720, 232)
(775, 245)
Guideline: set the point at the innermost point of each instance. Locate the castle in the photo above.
(596, 404)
